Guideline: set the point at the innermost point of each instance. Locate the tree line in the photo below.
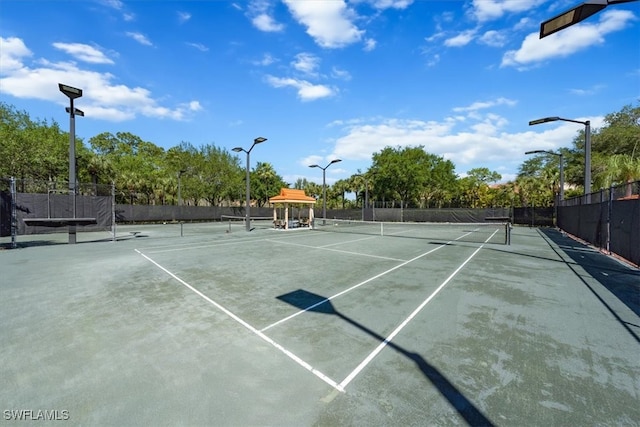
(36, 151)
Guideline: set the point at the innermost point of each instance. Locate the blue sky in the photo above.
(323, 79)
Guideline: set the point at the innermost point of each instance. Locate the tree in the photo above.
(265, 183)
(408, 174)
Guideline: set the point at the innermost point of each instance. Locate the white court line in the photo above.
(187, 247)
(311, 307)
(324, 248)
(348, 241)
(352, 288)
(289, 354)
(415, 312)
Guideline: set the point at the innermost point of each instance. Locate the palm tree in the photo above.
(620, 169)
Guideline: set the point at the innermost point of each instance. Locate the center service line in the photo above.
(311, 307)
(415, 312)
(289, 354)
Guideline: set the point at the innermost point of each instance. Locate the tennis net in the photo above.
(481, 232)
(236, 222)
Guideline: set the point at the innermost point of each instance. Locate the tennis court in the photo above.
(354, 326)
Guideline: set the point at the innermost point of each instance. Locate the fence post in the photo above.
(609, 211)
(14, 213)
(113, 210)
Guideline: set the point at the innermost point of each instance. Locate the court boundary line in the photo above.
(248, 326)
(343, 384)
(364, 282)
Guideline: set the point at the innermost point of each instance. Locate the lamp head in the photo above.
(544, 120)
(70, 91)
(259, 139)
(237, 149)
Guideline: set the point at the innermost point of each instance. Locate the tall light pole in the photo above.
(561, 195)
(72, 93)
(248, 191)
(587, 147)
(324, 187)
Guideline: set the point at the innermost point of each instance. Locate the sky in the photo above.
(323, 79)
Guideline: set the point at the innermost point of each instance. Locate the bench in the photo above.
(59, 222)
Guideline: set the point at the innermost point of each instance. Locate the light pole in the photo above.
(324, 187)
(561, 167)
(72, 93)
(587, 147)
(248, 191)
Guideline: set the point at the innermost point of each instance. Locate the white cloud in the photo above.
(462, 39)
(83, 52)
(12, 51)
(311, 160)
(306, 91)
(587, 91)
(306, 63)
(493, 38)
(433, 60)
(328, 23)
(140, 38)
(390, 4)
(369, 45)
(102, 98)
(337, 73)
(114, 4)
(266, 23)
(266, 60)
(183, 17)
(564, 43)
(465, 140)
(259, 12)
(486, 10)
(483, 105)
(199, 46)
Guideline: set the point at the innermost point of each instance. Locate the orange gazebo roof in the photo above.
(290, 195)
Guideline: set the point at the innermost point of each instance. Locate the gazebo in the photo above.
(289, 196)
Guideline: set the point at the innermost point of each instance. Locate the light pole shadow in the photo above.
(308, 301)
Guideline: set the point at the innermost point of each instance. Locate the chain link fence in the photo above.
(608, 219)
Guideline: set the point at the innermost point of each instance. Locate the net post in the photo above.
(382, 228)
(507, 233)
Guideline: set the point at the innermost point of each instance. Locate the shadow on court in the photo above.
(309, 301)
(623, 283)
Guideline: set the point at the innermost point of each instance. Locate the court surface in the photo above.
(302, 328)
